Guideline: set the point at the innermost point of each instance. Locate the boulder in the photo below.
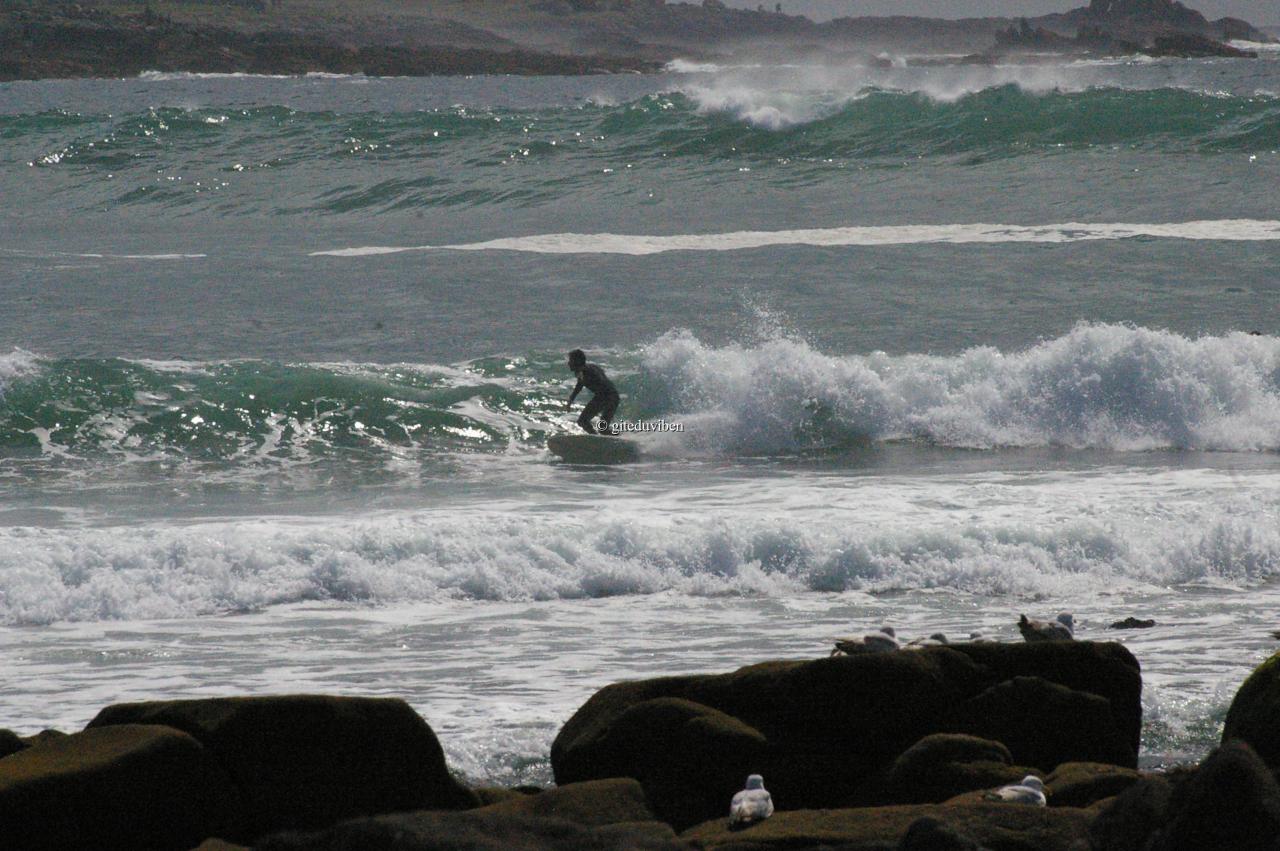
(690, 758)
(1082, 784)
(121, 787)
(929, 834)
(1007, 827)
(943, 765)
(1232, 801)
(1254, 716)
(592, 804)
(824, 733)
(10, 743)
(305, 761)
(1134, 817)
(1045, 724)
(1104, 668)
(476, 830)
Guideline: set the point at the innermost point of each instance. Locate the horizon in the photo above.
(1261, 13)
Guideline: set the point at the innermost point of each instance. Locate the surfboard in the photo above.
(591, 449)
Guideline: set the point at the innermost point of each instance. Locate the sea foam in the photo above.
(1099, 386)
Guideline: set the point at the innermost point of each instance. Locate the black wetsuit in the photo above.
(604, 398)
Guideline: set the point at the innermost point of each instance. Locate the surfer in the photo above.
(604, 396)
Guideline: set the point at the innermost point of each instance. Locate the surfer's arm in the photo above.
(574, 394)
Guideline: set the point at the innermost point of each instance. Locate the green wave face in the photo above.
(248, 411)
(278, 161)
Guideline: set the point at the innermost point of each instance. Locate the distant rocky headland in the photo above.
(40, 39)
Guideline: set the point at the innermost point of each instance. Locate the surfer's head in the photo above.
(577, 359)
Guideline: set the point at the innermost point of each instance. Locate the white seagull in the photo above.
(1062, 629)
(752, 804)
(875, 642)
(1029, 791)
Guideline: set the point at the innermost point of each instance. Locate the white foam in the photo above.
(991, 534)
(1237, 230)
(15, 366)
(1099, 386)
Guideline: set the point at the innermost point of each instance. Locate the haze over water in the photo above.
(279, 358)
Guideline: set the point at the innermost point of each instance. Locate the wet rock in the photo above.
(476, 830)
(1133, 819)
(1009, 827)
(1081, 784)
(593, 804)
(1232, 801)
(690, 758)
(943, 765)
(119, 787)
(1133, 623)
(11, 743)
(929, 834)
(1254, 716)
(305, 761)
(826, 733)
(1044, 724)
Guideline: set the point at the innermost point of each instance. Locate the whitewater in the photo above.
(280, 358)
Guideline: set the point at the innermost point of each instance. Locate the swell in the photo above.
(278, 161)
(1097, 387)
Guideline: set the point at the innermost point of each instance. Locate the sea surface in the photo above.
(279, 358)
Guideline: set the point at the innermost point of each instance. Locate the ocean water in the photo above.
(279, 358)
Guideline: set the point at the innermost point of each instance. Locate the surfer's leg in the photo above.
(589, 413)
(608, 408)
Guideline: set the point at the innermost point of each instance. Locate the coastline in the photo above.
(875, 750)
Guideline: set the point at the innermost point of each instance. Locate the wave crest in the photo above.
(1100, 386)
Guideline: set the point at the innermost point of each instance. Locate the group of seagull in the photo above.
(885, 640)
(754, 803)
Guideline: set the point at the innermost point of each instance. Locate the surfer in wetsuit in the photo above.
(604, 396)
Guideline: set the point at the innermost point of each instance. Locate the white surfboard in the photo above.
(593, 449)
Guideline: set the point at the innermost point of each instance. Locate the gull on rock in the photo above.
(938, 639)
(752, 804)
(1029, 791)
(884, 641)
(1062, 629)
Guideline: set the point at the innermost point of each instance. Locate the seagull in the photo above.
(1062, 629)
(752, 804)
(883, 641)
(1029, 791)
(935, 640)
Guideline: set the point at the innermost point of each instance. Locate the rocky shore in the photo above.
(877, 751)
(123, 38)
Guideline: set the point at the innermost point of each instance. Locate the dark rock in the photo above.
(1135, 816)
(592, 804)
(497, 794)
(307, 761)
(1232, 801)
(691, 758)
(1194, 45)
(476, 830)
(1044, 724)
(1007, 827)
(1254, 716)
(1081, 784)
(929, 834)
(220, 845)
(44, 737)
(1133, 623)
(1106, 669)
(122, 787)
(11, 743)
(944, 765)
(825, 733)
